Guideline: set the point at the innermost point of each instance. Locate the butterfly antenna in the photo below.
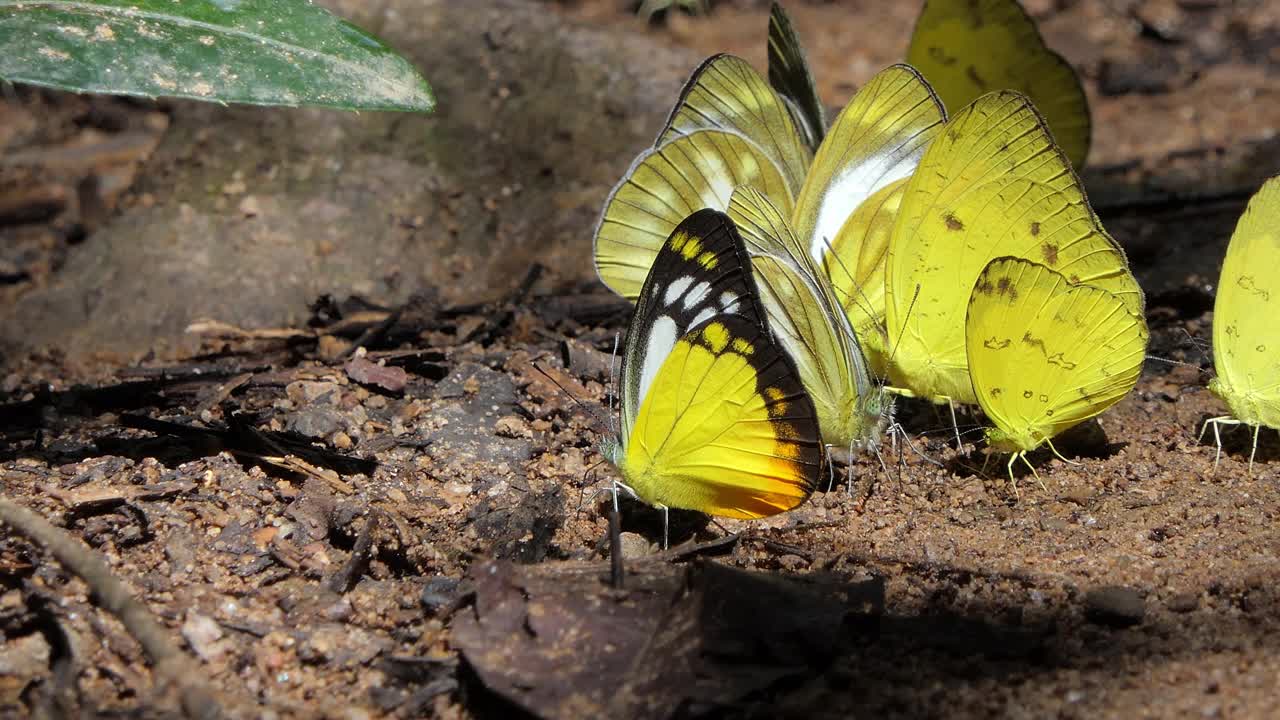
(893, 351)
(593, 412)
(864, 303)
(1181, 363)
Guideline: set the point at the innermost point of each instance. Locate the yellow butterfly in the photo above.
(1046, 354)
(967, 48)
(992, 184)
(1246, 336)
(713, 416)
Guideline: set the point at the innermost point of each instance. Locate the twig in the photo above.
(168, 662)
(342, 581)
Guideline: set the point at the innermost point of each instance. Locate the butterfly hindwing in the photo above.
(714, 417)
(726, 428)
(663, 187)
(1044, 354)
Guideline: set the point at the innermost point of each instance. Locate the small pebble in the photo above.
(1114, 606)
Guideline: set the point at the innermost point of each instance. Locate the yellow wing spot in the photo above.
(708, 260)
(1035, 226)
(716, 335)
(1044, 398)
(953, 222)
(786, 447)
(1027, 394)
(1048, 250)
(743, 347)
(1261, 348)
(677, 240)
(997, 392)
(1048, 412)
(774, 394)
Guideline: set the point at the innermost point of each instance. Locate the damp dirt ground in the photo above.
(418, 531)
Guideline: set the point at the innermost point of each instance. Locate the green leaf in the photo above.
(262, 52)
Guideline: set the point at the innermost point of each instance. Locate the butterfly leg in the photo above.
(1055, 452)
(666, 526)
(1012, 482)
(955, 425)
(1256, 430)
(1027, 462)
(831, 468)
(1217, 437)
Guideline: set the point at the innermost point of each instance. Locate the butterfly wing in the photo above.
(1045, 354)
(714, 416)
(701, 271)
(845, 210)
(1246, 336)
(876, 140)
(855, 265)
(992, 184)
(725, 93)
(789, 74)
(970, 47)
(663, 187)
(808, 322)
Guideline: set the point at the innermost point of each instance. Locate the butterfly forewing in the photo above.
(700, 272)
(789, 74)
(966, 48)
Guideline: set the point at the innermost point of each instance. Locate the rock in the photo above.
(1183, 602)
(438, 592)
(1115, 606)
(634, 545)
(315, 422)
(204, 635)
(537, 119)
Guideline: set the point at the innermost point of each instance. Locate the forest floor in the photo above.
(419, 530)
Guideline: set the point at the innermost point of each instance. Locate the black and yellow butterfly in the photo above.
(714, 417)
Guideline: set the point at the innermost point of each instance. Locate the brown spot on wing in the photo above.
(975, 77)
(1050, 253)
(953, 222)
(1035, 226)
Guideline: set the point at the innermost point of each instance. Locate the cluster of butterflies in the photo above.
(784, 270)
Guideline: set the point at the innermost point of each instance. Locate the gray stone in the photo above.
(1115, 606)
(536, 120)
